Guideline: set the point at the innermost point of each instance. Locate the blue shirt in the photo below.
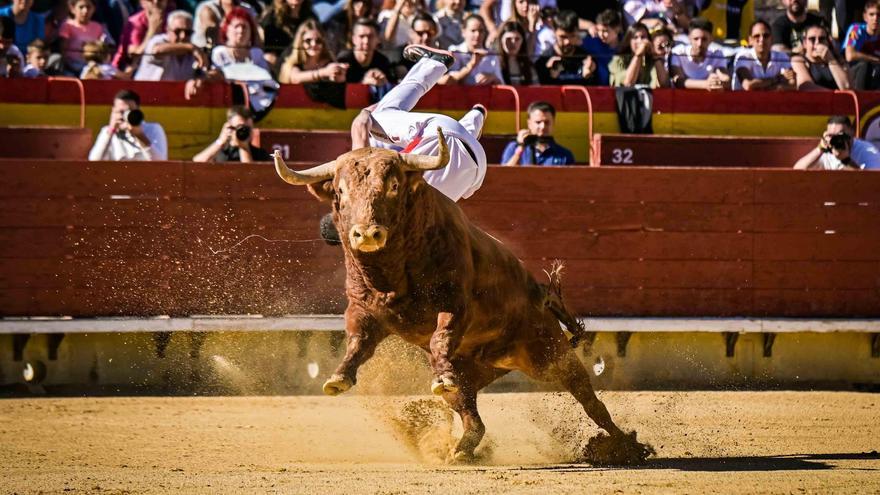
(34, 27)
(602, 55)
(553, 155)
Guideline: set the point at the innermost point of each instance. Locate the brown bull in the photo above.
(417, 268)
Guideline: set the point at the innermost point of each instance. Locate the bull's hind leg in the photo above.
(618, 448)
(364, 335)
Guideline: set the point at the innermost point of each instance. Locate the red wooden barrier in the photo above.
(698, 151)
(60, 143)
(92, 239)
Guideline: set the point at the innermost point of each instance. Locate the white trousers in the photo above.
(394, 125)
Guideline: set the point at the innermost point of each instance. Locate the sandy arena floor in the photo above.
(732, 442)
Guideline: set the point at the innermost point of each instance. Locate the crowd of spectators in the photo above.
(656, 43)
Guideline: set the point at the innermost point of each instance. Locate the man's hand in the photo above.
(533, 14)
(788, 77)
(521, 136)
(200, 56)
(588, 67)
(375, 77)
(483, 79)
(360, 130)
(192, 88)
(334, 72)
(154, 20)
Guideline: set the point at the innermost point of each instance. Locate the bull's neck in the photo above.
(384, 274)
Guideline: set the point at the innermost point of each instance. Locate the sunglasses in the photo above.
(183, 32)
(313, 41)
(423, 33)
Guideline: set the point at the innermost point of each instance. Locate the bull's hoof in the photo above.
(618, 450)
(459, 457)
(443, 385)
(337, 384)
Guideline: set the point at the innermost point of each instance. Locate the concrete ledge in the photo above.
(259, 323)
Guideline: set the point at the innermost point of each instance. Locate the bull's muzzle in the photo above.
(367, 238)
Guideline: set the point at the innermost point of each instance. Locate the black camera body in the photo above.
(243, 133)
(839, 141)
(533, 140)
(134, 117)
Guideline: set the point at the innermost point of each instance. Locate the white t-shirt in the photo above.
(165, 67)
(125, 147)
(681, 57)
(221, 56)
(748, 60)
(490, 64)
(864, 154)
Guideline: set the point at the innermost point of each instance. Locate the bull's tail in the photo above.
(553, 301)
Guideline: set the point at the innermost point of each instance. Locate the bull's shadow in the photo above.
(793, 462)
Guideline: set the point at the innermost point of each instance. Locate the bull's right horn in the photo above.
(423, 162)
(304, 177)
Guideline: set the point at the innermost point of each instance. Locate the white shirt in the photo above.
(864, 154)
(125, 147)
(490, 64)
(221, 56)
(165, 67)
(681, 57)
(747, 59)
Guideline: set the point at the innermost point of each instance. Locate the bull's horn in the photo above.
(424, 162)
(303, 177)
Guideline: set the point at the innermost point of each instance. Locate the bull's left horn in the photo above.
(315, 174)
(424, 162)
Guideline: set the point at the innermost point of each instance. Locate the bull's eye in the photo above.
(393, 186)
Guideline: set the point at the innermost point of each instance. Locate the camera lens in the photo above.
(134, 117)
(839, 141)
(243, 133)
(530, 140)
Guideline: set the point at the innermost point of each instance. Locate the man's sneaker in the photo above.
(414, 53)
(328, 231)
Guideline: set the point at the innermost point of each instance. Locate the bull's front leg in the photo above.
(444, 342)
(363, 336)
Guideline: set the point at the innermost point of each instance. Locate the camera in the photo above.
(134, 117)
(530, 140)
(243, 133)
(839, 141)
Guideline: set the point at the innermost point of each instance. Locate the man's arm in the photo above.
(101, 143)
(853, 55)
(157, 148)
(360, 128)
(810, 160)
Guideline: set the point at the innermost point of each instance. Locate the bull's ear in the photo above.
(323, 190)
(415, 181)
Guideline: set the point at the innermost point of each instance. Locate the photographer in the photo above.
(234, 142)
(535, 145)
(128, 136)
(838, 150)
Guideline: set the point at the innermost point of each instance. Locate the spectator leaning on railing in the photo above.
(516, 66)
(838, 150)
(696, 65)
(128, 136)
(819, 68)
(474, 65)
(37, 58)
(535, 144)
(234, 142)
(310, 60)
(171, 56)
(636, 62)
(568, 63)
(605, 44)
(760, 67)
(863, 48)
(365, 64)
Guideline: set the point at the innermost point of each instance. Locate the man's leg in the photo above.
(473, 120)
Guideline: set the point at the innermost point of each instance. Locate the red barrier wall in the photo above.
(89, 239)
